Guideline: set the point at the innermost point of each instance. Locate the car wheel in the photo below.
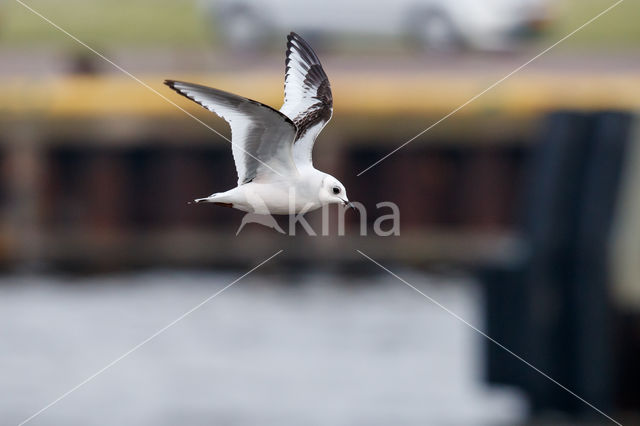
(435, 30)
(241, 28)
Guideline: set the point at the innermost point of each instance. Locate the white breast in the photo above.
(276, 198)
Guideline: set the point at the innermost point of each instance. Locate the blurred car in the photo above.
(437, 24)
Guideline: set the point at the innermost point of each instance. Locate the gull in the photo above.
(272, 149)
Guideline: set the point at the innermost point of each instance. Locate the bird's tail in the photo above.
(217, 198)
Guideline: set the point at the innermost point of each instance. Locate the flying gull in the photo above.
(272, 149)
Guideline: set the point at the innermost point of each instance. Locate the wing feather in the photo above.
(262, 137)
(308, 100)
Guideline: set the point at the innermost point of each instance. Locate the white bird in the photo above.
(272, 149)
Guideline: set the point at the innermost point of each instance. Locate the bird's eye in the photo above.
(336, 190)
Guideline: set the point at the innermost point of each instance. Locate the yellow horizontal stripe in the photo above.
(354, 93)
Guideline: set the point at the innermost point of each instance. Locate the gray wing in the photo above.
(308, 101)
(261, 136)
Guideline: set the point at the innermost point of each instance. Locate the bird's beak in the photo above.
(348, 204)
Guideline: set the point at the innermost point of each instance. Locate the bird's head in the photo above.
(333, 192)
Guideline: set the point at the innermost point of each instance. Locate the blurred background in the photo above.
(520, 213)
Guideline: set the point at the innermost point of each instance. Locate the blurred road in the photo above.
(46, 62)
(320, 353)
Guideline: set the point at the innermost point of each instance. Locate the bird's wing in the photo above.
(307, 96)
(262, 137)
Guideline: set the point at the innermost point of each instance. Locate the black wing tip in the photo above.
(302, 47)
(172, 84)
(293, 36)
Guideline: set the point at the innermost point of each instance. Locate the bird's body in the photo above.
(277, 196)
(272, 149)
